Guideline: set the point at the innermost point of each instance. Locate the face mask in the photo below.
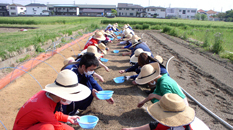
(67, 102)
(88, 72)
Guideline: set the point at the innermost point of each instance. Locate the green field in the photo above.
(51, 27)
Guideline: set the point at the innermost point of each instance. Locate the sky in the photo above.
(216, 5)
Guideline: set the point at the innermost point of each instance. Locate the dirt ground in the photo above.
(206, 78)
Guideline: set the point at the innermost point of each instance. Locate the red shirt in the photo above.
(91, 42)
(39, 109)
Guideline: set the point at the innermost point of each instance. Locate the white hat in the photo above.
(70, 59)
(137, 52)
(66, 86)
(93, 49)
(102, 47)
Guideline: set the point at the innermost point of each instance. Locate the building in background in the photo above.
(4, 9)
(152, 12)
(95, 10)
(129, 10)
(16, 9)
(67, 10)
(37, 9)
(182, 13)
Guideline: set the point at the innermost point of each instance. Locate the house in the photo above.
(4, 9)
(37, 9)
(201, 11)
(158, 12)
(85, 9)
(68, 10)
(16, 9)
(211, 13)
(129, 10)
(183, 13)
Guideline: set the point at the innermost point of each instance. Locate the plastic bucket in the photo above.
(103, 60)
(88, 121)
(120, 79)
(105, 94)
(115, 51)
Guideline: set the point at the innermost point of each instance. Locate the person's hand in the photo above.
(107, 69)
(94, 91)
(122, 71)
(101, 79)
(134, 83)
(140, 104)
(73, 119)
(110, 101)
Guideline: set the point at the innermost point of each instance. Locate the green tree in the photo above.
(198, 16)
(114, 11)
(203, 17)
(221, 16)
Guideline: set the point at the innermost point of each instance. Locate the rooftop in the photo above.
(126, 5)
(36, 4)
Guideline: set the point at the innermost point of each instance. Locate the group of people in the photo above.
(75, 87)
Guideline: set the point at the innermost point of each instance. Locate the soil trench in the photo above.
(198, 75)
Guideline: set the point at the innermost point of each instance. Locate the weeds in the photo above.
(206, 43)
(218, 43)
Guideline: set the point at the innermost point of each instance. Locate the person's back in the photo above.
(165, 85)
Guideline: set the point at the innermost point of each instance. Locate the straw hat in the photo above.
(135, 40)
(127, 31)
(148, 73)
(99, 35)
(159, 59)
(137, 52)
(70, 59)
(171, 111)
(66, 86)
(128, 37)
(102, 48)
(102, 31)
(93, 49)
(125, 26)
(108, 32)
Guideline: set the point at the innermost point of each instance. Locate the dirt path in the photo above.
(186, 68)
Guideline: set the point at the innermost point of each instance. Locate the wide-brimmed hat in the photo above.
(137, 52)
(135, 40)
(159, 59)
(148, 73)
(66, 61)
(99, 36)
(103, 32)
(127, 37)
(93, 49)
(125, 26)
(108, 32)
(171, 111)
(102, 47)
(66, 86)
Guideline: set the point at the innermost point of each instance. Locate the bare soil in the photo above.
(207, 78)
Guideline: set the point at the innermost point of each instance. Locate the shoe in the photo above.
(127, 77)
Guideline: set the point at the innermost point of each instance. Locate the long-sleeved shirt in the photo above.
(91, 42)
(39, 109)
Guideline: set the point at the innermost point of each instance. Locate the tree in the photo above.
(198, 16)
(203, 17)
(114, 11)
(221, 16)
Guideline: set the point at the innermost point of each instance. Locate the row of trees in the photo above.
(228, 16)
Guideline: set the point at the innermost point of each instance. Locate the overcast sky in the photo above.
(216, 5)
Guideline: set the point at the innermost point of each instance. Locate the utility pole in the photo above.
(149, 3)
(74, 2)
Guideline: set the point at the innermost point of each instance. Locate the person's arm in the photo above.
(103, 65)
(98, 76)
(126, 53)
(132, 68)
(150, 97)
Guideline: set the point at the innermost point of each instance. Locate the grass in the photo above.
(47, 28)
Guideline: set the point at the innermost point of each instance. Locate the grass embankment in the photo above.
(47, 28)
(212, 36)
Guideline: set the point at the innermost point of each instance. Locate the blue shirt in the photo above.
(91, 83)
(143, 46)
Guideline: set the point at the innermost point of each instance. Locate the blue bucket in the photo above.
(115, 51)
(111, 39)
(118, 37)
(104, 95)
(120, 79)
(116, 33)
(88, 121)
(103, 60)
